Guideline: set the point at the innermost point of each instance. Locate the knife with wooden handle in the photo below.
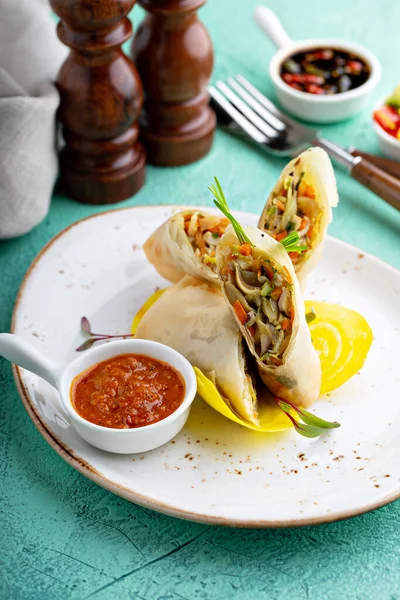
(386, 164)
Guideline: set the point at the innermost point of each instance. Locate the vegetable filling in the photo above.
(293, 208)
(203, 233)
(261, 295)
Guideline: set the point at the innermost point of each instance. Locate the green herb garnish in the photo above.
(290, 241)
(215, 235)
(307, 424)
(221, 203)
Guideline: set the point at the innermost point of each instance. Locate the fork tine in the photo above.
(237, 116)
(263, 112)
(269, 131)
(265, 101)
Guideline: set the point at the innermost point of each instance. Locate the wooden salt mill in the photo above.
(101, 97)
(174, 56)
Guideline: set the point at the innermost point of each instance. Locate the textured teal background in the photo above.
(63, 537)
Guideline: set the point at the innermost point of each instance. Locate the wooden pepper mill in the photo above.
(174, 57)
(101, 98)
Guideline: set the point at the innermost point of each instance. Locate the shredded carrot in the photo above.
(240, 312)
(283, 193)
(301, 191)
(276, 360)
(252, 330)
(212, 253)
(292, 314)
(309, 193)
(280, 236)
(227, 270)
(293, 255)
(310, 232)
(200, 243)
(280, 206)
(303, 223)
(268, 270)
(276, 293)
(245, 249)
(285, 324)
(287, 274)
(214, 229)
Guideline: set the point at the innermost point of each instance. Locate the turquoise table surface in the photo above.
(63, 537)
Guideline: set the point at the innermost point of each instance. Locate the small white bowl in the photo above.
(389, 145)
(311, 107)
(119, 441)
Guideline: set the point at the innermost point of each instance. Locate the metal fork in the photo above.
(244, 111)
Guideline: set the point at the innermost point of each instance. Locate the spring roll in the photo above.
(262, 291)
(186, 244)
(193, 318)
(302, 201)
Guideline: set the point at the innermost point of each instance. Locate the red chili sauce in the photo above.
(127, 391)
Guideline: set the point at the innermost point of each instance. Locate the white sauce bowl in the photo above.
(119, 441)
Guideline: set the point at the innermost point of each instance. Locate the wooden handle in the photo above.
(381, 183)
(386, 164)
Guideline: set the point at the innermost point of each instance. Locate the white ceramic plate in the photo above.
(216, 471)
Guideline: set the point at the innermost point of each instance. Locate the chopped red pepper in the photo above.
(314, 79)
(313, 88)
(389, 119)
(287, 77)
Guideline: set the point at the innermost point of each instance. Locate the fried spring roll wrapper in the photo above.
(193, 318)
(169, 250)
(298, 378)
(318, 173)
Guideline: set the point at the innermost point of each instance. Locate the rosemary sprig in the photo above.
(221, 203)
(96, 337)
(290, 243)
(309, 425)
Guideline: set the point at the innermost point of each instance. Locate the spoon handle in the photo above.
(23, 354)
(271, 25)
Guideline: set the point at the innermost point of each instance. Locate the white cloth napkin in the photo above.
(30, 56)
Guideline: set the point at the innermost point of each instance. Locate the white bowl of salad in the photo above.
(386, 120)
